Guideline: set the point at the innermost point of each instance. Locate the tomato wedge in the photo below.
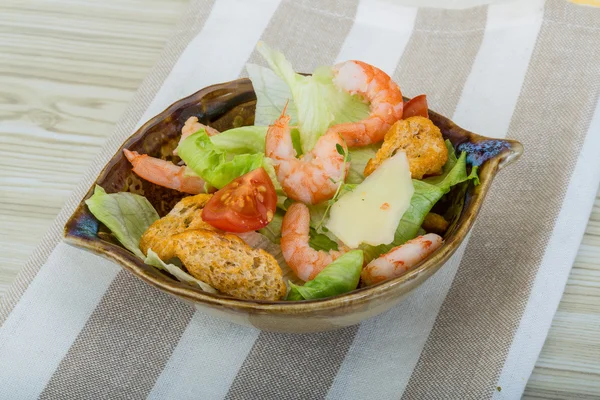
(245, 204)
(417, 106)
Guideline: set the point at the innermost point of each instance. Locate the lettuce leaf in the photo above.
(127, 215)
(272, 94)
(317, 102)
(212, 164)
(339, 277)
(427, 192)
(359, 157)
(245, 139)
(320, 241)
(153, 260)
(314, 115)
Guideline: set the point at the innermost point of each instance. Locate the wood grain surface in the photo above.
(68, 68)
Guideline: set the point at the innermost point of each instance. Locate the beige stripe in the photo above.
(186, 29)
(109, 363)
(310, 34)
(439, 57)
(472, 335)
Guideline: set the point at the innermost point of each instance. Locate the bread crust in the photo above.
(228, 264)
(421, 140)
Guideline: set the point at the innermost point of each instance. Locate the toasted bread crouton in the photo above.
(421, 140)
(435, 223)
(228, 264)
(187, 214)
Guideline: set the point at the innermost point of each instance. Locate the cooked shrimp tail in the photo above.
(375, 87)
(315, 176)
(305, 261)
(192, 126)
(164, 173)
(400, 259)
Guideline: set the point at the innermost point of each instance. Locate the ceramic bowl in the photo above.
(232, 104)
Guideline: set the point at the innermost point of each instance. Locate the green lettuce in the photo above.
(272, 94)
(127, 215)
(427, 192)
(339, 277)
(360, 156)
(320, 241)
(214, 165)
(245, 139)
(316, 102)
(153, 260)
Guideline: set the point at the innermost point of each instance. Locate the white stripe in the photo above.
(48, 318)
(379, 34)
(492, 89)
(207, 341)
(554, 270)
(218, 53)
(411, 322)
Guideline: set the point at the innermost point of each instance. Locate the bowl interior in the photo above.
(232, 104)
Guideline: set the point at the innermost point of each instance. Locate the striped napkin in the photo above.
(77, 326)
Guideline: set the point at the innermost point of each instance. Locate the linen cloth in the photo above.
(77, 326)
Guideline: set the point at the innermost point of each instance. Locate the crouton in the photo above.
(228, 264)
(435, 223)
(421, 140)
(187, 214)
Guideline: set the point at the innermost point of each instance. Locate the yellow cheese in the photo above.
(371, 212)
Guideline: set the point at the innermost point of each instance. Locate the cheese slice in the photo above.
(371, 212)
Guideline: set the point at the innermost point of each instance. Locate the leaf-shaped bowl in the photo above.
(232, 104)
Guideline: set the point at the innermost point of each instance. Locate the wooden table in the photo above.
(68, 68)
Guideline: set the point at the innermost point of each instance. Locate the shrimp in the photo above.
(400, 259)
(164, 173)
(314, 177)
(192, 126)
(305, 261)
(376, 87)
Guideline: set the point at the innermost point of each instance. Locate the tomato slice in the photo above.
(245, 204)
(417, 106)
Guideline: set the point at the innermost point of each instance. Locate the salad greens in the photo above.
(153, 260)
(339, 277)
(245, 139)
(317, 102)
(127, 215)
(320, 241)
(212, 164)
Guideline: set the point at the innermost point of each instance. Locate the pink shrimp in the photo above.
(376, 87)
(164, 173)
(305, 261)
(400, 259)
(192, 126)
(312, 178)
